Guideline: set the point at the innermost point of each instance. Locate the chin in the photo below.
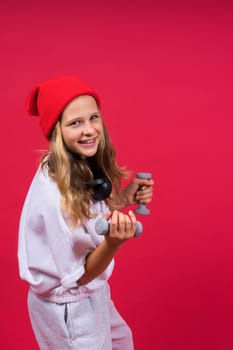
(89, 154)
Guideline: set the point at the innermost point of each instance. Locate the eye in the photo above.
(94, 117)
(75, 122)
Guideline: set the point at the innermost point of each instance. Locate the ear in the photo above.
(31, 102)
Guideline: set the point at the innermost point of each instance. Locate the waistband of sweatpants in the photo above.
(71, 296)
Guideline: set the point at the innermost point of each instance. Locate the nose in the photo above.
(87, 128)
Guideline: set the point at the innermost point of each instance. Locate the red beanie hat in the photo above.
(48, 99)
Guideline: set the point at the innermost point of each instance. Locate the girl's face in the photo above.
(81, 126)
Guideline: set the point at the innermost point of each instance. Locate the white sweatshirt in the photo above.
(51, 255)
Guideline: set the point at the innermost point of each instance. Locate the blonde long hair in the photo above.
(72, 172)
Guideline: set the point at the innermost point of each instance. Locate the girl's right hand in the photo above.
(122, 228)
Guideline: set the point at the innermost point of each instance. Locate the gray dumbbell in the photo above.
(142, 209)
(102, 227)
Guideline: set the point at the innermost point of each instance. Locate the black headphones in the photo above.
(100, 184)
(102, 188)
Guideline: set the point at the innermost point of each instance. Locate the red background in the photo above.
(164, 71)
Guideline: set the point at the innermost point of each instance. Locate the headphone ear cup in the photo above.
(106, 189)
(102, 188)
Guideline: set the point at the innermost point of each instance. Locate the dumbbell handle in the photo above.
(142, 209)
(102, 227)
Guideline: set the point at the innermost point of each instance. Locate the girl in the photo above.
(66, 263)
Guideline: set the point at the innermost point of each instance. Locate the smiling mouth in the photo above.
(87, 142)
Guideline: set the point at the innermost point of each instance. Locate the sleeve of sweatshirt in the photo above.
(50, 254)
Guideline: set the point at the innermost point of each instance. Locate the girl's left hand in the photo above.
(138, 190)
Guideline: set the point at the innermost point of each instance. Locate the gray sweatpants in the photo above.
(92, 323)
